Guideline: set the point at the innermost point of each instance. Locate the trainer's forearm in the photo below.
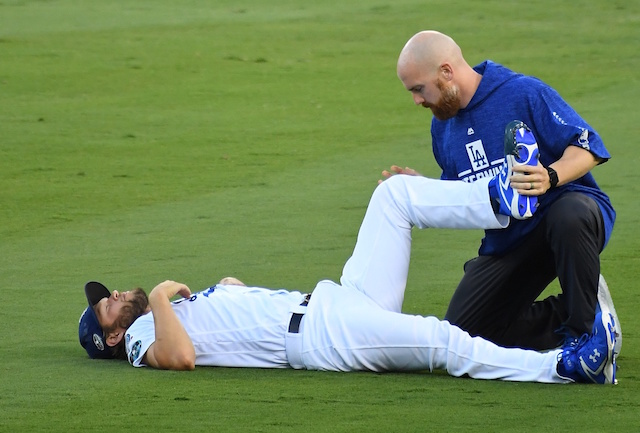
(574, 163)
(173, 349)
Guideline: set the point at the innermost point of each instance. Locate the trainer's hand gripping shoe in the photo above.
(591, 358)
(520, 148)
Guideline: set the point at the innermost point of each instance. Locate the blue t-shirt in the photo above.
(470, 145)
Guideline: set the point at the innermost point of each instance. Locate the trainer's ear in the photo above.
(114, 337)
(446, 71)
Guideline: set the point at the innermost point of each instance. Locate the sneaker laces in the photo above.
(569, 354)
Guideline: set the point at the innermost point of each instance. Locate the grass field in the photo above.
(191, 140)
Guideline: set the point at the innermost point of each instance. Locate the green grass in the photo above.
(147, 140)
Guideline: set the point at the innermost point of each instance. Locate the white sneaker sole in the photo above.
(606, 306)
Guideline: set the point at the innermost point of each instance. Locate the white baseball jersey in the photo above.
(357, 324)
(230, 326)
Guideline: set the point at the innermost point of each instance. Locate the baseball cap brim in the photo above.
(95, 291)
(89, 329)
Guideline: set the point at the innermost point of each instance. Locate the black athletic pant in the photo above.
(496, 297)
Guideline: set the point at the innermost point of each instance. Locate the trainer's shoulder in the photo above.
(527, 83)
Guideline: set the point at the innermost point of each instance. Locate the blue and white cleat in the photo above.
(591, 358)
(520, 148)
(605, 305)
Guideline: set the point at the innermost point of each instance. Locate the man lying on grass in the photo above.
(352, 326)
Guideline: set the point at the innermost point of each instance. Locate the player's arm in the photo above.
(172, 348)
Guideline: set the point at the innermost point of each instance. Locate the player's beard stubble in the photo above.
(136, 306)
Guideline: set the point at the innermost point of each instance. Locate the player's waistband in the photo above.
(293, 337)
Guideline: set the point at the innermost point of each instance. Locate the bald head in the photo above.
(428, 50)
(432, 68)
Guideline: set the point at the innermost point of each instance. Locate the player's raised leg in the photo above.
(380, 260)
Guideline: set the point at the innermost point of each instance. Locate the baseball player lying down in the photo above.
(352, 326)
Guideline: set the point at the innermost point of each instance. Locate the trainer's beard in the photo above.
(449, 103)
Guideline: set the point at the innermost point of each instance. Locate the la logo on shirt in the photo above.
(479, 162)
(477, 155)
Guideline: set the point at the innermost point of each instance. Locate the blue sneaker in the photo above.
(591, 359)
(605, 305)
(520, 148)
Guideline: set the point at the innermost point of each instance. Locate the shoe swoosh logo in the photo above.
(502, 194)
(504, 184)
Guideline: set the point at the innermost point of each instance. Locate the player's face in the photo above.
(110, 310)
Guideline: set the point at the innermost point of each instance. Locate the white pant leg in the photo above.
(380, 260)
(346, 331)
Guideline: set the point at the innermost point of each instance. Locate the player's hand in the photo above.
(171, 288)
(397, 170)
(528, 180)
(231, 281)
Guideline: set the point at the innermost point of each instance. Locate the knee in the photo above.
(391, 189)
(574, 212)
(575, 217)
(393, 182)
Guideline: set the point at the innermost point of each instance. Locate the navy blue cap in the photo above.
(89, 330)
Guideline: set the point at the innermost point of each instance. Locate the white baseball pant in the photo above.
(358, 324)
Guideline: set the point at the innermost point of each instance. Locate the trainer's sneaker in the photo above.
(591, 359)
(520, 148)
(605, 305)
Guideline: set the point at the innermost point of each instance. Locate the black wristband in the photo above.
(553, 177)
